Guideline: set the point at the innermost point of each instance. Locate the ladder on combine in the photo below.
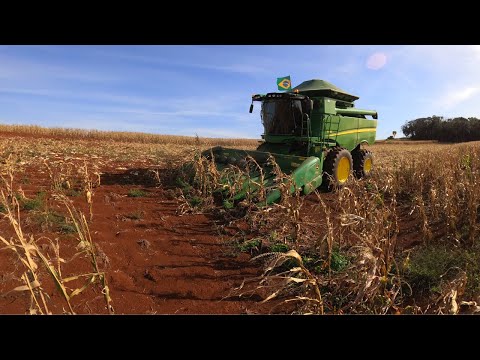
(306, 131)
(306, 127)
(330, 129)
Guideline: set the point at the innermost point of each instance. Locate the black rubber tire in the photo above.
(360, 157)
(332, 161)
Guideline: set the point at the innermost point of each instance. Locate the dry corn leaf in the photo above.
(272, 296)
(295, 255)
(88, 195)
(453, 302)
(34, 284)
(79, 290)
(303, 298)
(296, 280)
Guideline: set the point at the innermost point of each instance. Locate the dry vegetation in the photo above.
(405, 240)
(69, 264)
(121, 136)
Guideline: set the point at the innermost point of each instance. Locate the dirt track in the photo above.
(165, 263)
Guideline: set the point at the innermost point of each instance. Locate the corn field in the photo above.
(403, 241)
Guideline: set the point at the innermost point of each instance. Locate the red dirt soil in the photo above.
(157, 262)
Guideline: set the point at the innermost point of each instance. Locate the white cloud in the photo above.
(247, 65)
(454, 97)
(451, 60)
(442, 79)
(349, 68)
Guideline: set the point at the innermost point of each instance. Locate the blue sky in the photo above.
(206, 90)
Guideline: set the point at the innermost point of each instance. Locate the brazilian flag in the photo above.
(284, 83)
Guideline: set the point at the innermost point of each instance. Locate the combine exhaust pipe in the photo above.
(354, 111)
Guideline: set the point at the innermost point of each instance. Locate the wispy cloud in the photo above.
(83, 95)
(245, 68)
(20, 69)
(348, 68)
(454, 97)
(187, 105)
(247, 65)
(129, 112)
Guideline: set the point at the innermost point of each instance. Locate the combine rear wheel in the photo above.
(338, 165)
(362, 163)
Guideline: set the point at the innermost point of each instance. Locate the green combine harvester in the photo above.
(313, 132)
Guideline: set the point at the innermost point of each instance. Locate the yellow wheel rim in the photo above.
(367, 166)
(343, 170)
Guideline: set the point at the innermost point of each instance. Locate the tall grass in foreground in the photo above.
(353, 253)
(36, 262)
(441, 187)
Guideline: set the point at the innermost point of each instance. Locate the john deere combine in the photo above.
(313, 132)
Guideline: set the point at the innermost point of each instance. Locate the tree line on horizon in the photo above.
(459, 129)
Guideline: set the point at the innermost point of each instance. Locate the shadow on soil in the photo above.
(138, 176)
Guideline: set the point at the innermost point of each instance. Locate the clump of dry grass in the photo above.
(26, 250)
(87, 247)
(36, 262)
(285, 277)
(364, 230)
(198, 180)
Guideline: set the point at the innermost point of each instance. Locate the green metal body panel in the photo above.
(343, 130)
(332, 121)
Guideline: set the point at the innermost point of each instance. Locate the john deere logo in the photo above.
(284, 83)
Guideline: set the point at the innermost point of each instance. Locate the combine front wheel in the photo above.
(338, 165)
(362, 163)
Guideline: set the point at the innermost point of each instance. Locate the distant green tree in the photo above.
(459, 129)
